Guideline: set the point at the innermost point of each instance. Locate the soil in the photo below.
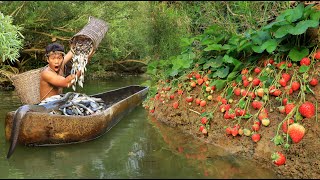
(302, 159)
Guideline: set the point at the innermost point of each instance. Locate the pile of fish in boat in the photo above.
(77, 104)
(81, 49)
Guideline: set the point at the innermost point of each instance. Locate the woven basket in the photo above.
(27, 86)
(95, 30)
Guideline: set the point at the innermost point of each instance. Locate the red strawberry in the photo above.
(171, 96)
(204, 120)
(282, 82)
(313, 82)
(269, 61)
(256, 104)
(278, 158)
(307, 109)
(226, 115)
(289, 64)
(175, 104)
(224, 107)
(201, 128)
(305, 61)
(232, 115)
(256, 137)
(198, 101)
(193, 84)
(257, 70)
(289, 107)
(224, 101)
(234, 131)
(255, 81)
(286, 76)
(228, 130)
(243, 92)
(255, 127)
(276, 92)
(151, 110)
(180, 92)
(189, 99)
(245, 83)
(244, 71)
(200, 81)
(198, 76)
(317, 55)
(237, 91)
(203, 103)
(284, 101)
(251, 94)
(295, 85)
(257, 122)
(263, 114)
(285, 125)
(296, 132)
(213, 87)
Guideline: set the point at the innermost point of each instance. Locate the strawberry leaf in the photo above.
(278, 140)
(303, 69)
(296, 55)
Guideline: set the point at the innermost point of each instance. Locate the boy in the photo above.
(52, 80)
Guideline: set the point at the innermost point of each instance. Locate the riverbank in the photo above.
(302, 159)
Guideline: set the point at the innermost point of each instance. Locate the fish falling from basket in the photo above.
(80, 51)
(82, 44)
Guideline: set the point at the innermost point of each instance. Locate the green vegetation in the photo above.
(141, 32)
(225, 53)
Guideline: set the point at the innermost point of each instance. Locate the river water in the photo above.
(139, 146)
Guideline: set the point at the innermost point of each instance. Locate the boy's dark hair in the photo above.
(54, 47)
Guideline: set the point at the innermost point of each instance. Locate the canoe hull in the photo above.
(43, 129)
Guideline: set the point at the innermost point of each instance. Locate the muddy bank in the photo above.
(303, 159)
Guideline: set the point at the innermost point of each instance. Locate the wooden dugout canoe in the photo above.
(44, 129)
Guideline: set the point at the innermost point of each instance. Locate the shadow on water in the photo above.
(137, 147)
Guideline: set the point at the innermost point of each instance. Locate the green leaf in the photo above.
(232, 76)
(296, 55)
(295, 14)
(282, 31)
(257, 49)
(242, 104)
(246, 116)
(229, 92)
(228, 59)
(220, 84)
(302, 27)
(215, 63)
(207, 41)
(172, 72)
(303, 69)
(315, 16)
(270, 45)
(215, 47)
(223, 72)
(186, 41)
(278, 140)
